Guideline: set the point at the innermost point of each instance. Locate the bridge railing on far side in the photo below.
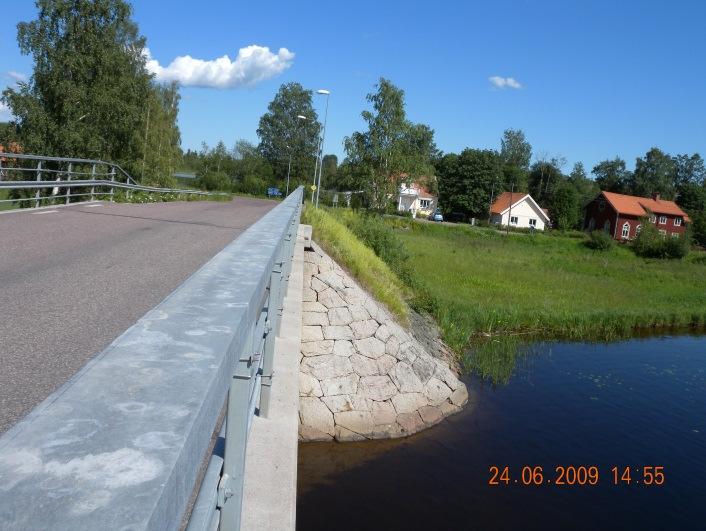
(36, 180)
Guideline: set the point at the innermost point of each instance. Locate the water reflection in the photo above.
(495, 359)
(632, 403)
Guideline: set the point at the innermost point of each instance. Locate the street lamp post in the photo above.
(316, 167)
(326, 93)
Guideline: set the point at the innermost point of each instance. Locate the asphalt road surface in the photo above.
(72, 279)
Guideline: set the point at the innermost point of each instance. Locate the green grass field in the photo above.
(482, 282)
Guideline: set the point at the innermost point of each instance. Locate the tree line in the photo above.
(90, 94)
(393, 149)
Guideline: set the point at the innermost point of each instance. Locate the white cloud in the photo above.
(252, 65)
(4, 112)
(504, 82)
(16, 76)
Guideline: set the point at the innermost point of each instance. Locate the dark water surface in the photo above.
(634, 404)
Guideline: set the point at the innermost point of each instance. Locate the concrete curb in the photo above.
(270, 490)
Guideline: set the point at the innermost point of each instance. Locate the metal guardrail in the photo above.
(220, 508)
(122, 443)
(77, 178)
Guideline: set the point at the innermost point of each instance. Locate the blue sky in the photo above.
(598, 79)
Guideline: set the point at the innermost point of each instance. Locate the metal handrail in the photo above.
(119, 179)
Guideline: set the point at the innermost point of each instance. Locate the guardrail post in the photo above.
(112, 180)
(37, 195)
(230, 488)
(68, 188)
(272, 327)
(93, 178)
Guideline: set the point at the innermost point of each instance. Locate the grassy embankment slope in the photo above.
(344, 247)
(483, 282)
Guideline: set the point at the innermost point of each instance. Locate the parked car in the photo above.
(437, 215)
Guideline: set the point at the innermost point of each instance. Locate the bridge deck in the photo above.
(73, 279)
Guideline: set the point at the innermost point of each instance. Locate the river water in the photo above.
(631, 404)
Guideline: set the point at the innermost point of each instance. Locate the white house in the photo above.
(416, 199)
(519, 210)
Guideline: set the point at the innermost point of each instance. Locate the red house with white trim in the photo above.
(622, 216)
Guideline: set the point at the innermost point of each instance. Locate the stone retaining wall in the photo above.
(362, 376)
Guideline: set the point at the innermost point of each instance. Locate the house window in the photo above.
(663, 220)
(626, 230)
(606, 226)
(601, 205)
(591, 225)
(513, 220)
(424, 203)
(677, 222)
(653, 218)
(533, 222)
(675, 234)
(638, 229)
(663, 233)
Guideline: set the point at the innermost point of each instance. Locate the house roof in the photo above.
(418, 189)
(507, 199)
(504, 200)
(632, 205)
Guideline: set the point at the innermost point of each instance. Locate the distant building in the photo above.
(416, 199)
(622, 216)
(518, 209)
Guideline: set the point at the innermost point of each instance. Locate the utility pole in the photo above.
(509, 214)
(326, 93)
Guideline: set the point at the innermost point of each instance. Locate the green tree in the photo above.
(565, 208)
(586, 188)
(391, 148)
(328, 172)
(516, 153)
(87, 93)
(691, 197)
(544, 178)
(689, 169)
(698, 222)
(468, 180)
(654, 174)
(161, 143)
(253, 172)
(515, 150)
(612, 175)
(281, 132)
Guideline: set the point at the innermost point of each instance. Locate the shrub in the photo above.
(214, 181)
(599, 240)
(651, 244)
(676, 247)
(372, 230)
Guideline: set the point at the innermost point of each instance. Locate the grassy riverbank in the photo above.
(483, 282)
(494, 293)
